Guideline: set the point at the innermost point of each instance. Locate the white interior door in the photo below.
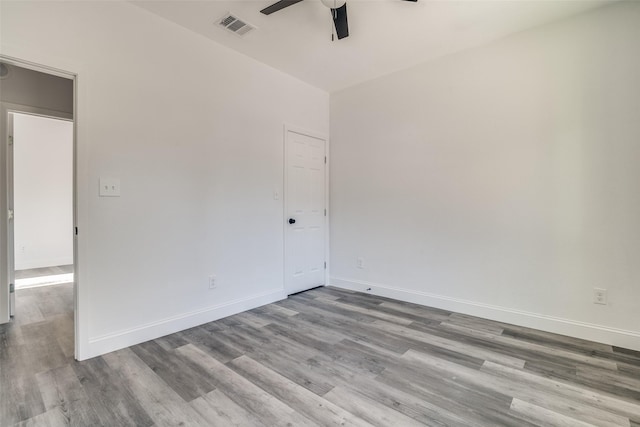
(305, 213)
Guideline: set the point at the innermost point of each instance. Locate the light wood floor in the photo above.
(324, 357)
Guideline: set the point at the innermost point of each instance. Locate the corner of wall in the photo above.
(122, 339)
(587, 331)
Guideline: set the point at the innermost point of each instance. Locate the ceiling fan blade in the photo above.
(412, 0)
(278, 6)
(339, 16)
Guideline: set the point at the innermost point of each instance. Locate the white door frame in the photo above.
(285, 217)
(6, 252)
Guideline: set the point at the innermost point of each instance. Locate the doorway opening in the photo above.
(42, 199)
(37, 202)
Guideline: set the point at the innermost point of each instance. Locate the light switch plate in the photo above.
(109, 187)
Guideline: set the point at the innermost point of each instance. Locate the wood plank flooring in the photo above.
(324, 357)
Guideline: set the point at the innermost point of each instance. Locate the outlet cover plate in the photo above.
(600, 296)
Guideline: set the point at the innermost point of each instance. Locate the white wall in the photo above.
(194, 132)
(43, 197)
(502, 181)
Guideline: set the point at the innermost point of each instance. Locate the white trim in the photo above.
(303, 131)
(39, 281)
(128, 337)
(28, 110)
(37, 67)
(45, 262)
(325, 138)
(7, 300)
(574, 328)
(327, 239)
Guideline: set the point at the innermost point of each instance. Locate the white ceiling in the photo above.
(385, 35)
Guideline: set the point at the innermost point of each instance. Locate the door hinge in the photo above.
(325, 265)
(12, 288)
(76, 230)
(11, 140)
(10, 214)
(325, 160)
(325, 212)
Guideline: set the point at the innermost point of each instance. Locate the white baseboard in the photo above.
(36, 282)
(573, 328)
(27, 264)
(121, 339)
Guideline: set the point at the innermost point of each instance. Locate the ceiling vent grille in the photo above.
(235, 25)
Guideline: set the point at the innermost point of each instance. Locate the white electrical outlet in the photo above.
(599, 296)
(360, 262)
(212, 282)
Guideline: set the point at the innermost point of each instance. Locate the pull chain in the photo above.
(334, 15)
(331, 23)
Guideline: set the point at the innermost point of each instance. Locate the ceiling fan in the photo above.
(338, 13)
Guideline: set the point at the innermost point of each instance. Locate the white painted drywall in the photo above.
(43, 196)
(502, 181)
(194, 132)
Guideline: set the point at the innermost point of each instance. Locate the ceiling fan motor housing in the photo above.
(333, 4)
(338, 13)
